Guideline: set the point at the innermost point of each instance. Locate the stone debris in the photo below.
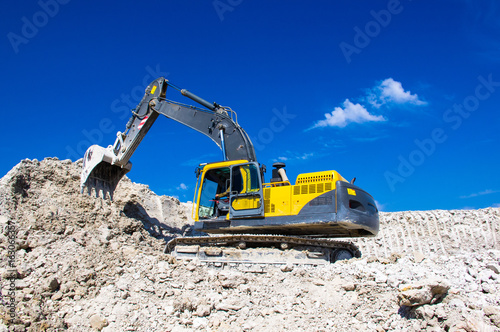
(98, 322)
(86, 264)
(423, 292)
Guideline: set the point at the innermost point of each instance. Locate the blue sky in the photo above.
(403, 95)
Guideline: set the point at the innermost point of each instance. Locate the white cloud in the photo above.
(182, 186)
(496, 205)
(481, 193)
(341, 117)
(306, 156)
(391, 91)
(388, 92)
(381, 207)
(294, 156)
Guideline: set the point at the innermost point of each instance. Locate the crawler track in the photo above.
(254, 252)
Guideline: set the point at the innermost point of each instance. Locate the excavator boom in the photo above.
(104, 167)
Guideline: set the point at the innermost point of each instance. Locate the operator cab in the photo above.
(228, 190)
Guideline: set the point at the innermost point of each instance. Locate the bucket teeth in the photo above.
(102, 180)
(99, 187)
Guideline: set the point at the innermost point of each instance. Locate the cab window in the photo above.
(245, 179)
(208, 192)
(215, 182)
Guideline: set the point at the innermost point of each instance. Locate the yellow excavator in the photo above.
(247, 219)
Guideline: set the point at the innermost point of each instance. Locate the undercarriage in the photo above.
(257, 252)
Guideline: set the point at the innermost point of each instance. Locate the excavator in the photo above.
(240, 217)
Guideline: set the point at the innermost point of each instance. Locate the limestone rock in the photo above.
(425, 292)
(349, 286)
(98, 322)
(52, 284)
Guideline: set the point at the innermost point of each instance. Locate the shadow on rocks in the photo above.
(153, 226)
(407, 312)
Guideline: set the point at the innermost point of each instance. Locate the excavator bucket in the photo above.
(99, 175)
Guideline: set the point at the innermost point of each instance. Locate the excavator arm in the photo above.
(104, 167)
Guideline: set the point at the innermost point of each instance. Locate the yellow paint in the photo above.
(245, 203)
(290, 199)
(153, 89)
(277, 200)
(245, 176)
(351, 191)
(325, 176)
(222, 164)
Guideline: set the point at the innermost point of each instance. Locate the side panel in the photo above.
(277, 200)
(292, 200)
(303, 194)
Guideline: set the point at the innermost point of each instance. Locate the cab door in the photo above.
(245, 198)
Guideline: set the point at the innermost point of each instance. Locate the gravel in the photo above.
(85, 264)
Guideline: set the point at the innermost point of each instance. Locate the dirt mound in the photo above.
(44, 197)
(82, 263)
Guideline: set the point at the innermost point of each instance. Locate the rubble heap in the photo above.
(83, 263)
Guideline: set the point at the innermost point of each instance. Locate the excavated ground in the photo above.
(83, 264)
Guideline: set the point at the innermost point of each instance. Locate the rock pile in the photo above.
(86, 264)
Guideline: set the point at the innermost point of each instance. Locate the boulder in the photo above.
(428, 291)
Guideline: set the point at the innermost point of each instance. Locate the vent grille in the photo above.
(267, 193)
(267, 204)
(296, 190)
(312, 188)
(315, 178)
(303, 189)
(273, 208)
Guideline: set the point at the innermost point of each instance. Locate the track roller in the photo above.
(341, 254)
